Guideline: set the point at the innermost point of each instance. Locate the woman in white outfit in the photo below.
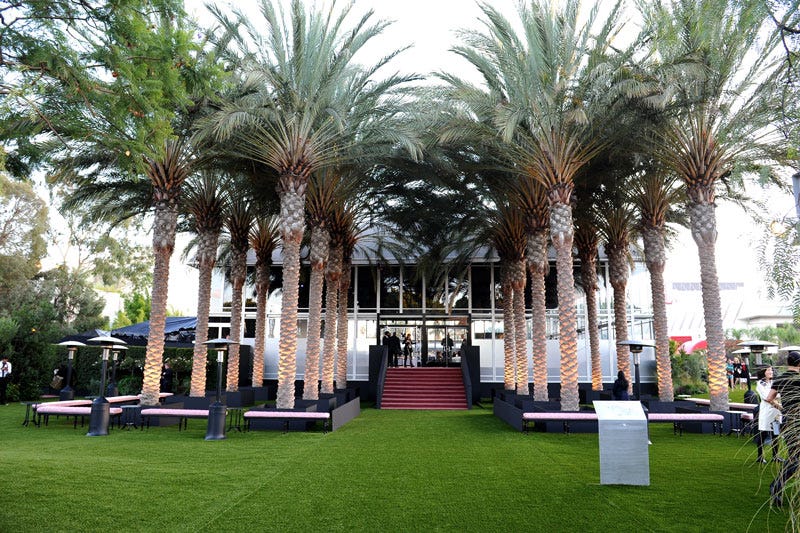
(769, 416)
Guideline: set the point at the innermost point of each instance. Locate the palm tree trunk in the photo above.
(238, 277)
(589, 280)
(537, 266)
(562, 232)
(342, 327)
(509, 343)
(520, 327)
(332, 274)
(618, 272)
(164, 226)
(656, 259)
(704, 232)
(206, 258)
(319, 254)
(262, 295)
(292, 228)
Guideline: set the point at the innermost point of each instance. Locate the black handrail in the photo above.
(381, 377)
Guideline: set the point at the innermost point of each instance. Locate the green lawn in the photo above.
(384, 471)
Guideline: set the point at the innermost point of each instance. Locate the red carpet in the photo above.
(424, 388)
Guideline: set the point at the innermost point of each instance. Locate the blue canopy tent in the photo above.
(179, 331)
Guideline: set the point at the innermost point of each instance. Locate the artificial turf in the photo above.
(383, 471)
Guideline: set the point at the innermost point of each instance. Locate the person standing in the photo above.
(5, 378)
(394, 348)
(408, 347)
(167, 376)
(387, 342)
(620, 390)
(788, 386)
(769, 417)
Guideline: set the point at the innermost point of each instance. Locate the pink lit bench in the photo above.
(563, 416)
(731, 405)
(183, 415)
(288, 416)
(45, 410)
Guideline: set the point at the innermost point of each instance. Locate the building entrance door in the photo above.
(434, 341)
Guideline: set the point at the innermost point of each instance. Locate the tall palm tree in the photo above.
(506, 227)
(533, 198)
(238, 223)
(119, 123)
(298, 123)
(264, 240)
(586, 243)
(653, 194)
(721, 121)
(204, 201)
(319, 204)
(540, 92)
(615, 222)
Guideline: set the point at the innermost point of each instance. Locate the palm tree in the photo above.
(586, 242)
(264, 240)
(533, 198)
(540, 96)
(125, 116)
(653, 194)
(238, 223)
(721, 121)
(204, 201)
(615, 221)
(300, 122)
(319, 204)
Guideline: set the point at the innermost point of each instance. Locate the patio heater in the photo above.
(66, 393)
(756, 347)
(636, 348)
(99, 417)
(113, 390)
(216, 411)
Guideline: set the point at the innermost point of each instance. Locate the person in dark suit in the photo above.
(387, 341)
(394, 348)
(167, 376)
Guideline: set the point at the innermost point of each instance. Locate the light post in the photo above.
(98, 417)
(636, 348)
(216, 411)
(756, 347)
(66, 393)
(113, 390)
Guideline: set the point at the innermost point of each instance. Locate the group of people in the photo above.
(737, 373)
(397, 347)
(779, 405)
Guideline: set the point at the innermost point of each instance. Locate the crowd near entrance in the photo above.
(426, 341)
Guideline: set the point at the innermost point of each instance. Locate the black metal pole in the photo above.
(636, 377)
(66, 392)
(99, 414)
(112, 386)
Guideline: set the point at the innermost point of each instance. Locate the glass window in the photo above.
(367, 293)
(412, 289)
(434, 294)
(481, 290)
(390, 287)
(303, 288)
(458, 291)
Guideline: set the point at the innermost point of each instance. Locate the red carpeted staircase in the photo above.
(424, 388)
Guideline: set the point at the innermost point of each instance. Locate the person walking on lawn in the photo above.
(788, 386)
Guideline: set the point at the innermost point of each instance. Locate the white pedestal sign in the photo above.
(624, 458)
